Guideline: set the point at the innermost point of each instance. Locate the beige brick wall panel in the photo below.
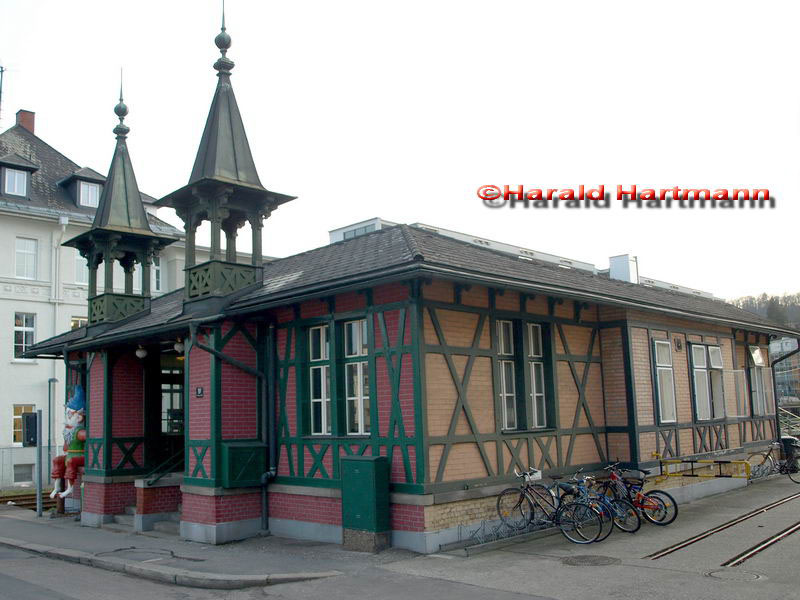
(640, 349)
(440, 393)
(647, 445)
(434, 456)
(687, 442)
(565, 310)
(508, 300)
(567, 394)
(537, 305)
(458, 327)
(439, 290)
(594, 394)
(618, 447)
(464, 462)
(613, 371)
(584, 451)
(465, 512)
(477, 295)
(480, 395)
(683, 382)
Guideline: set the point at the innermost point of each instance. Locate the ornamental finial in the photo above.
(121, 110)
(223, 42)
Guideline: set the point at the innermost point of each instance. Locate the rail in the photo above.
(165, 468)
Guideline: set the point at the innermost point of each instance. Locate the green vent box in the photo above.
(243, 463)
(365, 493)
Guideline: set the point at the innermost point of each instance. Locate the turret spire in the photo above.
(121, 110)
(223, 42)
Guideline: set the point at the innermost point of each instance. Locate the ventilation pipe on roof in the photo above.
(624, 267)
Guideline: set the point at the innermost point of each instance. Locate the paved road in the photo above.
(536, 569)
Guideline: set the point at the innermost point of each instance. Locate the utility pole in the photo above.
(2, 70)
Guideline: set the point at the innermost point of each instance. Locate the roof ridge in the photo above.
(411, 242)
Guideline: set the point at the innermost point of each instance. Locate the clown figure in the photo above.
(67, 466)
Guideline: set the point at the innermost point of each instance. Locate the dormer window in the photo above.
(89, 194)
(16, 183)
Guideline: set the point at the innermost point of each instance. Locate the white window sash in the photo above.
(538, 400)
(357, 400)
(508, 396)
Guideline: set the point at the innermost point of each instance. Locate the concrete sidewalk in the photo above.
(258, 561)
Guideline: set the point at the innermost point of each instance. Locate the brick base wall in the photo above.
(157, 500)
(211, 510)
(108, 498)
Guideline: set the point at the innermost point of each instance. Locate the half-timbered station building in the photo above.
(455, 362)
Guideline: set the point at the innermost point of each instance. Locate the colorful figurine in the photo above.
(67, 466)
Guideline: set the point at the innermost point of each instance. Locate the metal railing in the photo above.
(165, 468)
(788, 421)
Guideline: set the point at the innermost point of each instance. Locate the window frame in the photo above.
(525, 377)
(321, 364)
(755, 379)
(81, 269)
(660, 369)
(88, 185)
(357, 400)
(34, 254)
(709, 371)
(18, 418)
(157, 281)
(23, 329)
(77, 322)
(8, 172)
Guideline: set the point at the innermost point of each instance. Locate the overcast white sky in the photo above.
(403, 109)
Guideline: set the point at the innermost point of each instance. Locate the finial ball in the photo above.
(121, 110)
(223, 40)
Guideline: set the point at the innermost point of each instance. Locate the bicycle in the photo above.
(617, 512)
(763, 464)
(519, 507)
(657, 506)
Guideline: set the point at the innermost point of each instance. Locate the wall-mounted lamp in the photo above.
(141, 352)
(678, 344)
(179, 347)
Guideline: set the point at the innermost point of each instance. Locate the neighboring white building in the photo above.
(45, 199)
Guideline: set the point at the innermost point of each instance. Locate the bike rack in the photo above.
(704, 462)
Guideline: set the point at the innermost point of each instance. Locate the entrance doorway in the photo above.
(168, 407)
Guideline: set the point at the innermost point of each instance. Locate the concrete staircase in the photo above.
(124, 523)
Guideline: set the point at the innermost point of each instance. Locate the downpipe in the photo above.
(269, 426)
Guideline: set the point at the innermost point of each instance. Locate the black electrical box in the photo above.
(29, 434)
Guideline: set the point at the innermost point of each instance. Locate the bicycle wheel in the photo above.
(580, 523)
(670, 506)
(626, 517)
(606, 519)
(514, 508)
(652, 508)
(761, 464)
(793, 469)
(544, 504)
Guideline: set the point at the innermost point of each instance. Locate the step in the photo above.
(118, 527)
(170, 527)
(126, 520)
(130, 510)
(174, 517)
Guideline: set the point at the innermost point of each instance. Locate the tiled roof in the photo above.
(409, 249)
(45, 195)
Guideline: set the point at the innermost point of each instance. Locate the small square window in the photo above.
(355, 338)
(89, 194)
(16, 182)
(758, 357)
(535, 333)
(663, 354)
(715, 357)
(699, 356)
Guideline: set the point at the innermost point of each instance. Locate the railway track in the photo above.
(747, 554)
(28, 500)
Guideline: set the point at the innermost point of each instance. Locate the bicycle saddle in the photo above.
(556, 477)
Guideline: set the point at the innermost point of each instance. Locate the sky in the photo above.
(402, 110)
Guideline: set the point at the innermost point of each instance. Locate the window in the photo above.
(760, 383)
(81, 269)
(320, 375)
(157, 274)
(356, 377)
(78, 322)
(172, 401)
(707, 380)
(665, 382)
(19, 410)
(89, 194)
(508, 392)
(535, 356)
(26, 251)
(16, 182)
(24, 330)
(358, 231)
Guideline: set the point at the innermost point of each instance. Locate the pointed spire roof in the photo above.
(224, 153)
(120, 207)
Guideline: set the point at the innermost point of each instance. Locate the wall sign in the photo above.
(198, 392)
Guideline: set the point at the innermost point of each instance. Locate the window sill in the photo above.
(24, 361)
(534, 430)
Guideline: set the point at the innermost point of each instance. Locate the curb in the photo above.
(164, 574)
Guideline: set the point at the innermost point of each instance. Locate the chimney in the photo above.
(624, 267)
(26, 118)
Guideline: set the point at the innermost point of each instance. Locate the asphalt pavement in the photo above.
(149, 566)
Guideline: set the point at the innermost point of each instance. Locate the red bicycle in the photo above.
(657, 506)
